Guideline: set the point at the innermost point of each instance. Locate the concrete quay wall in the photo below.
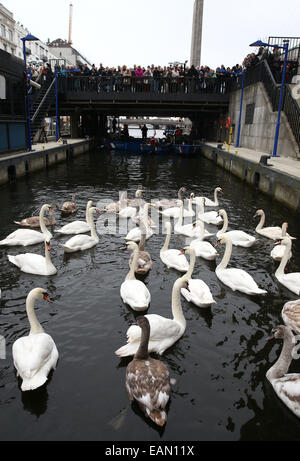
(18, 165)
(281, 186)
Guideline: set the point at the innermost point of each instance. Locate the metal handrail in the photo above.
(42, 101)
(292, 110)
(145, 84)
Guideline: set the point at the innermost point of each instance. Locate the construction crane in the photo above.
(70, 24)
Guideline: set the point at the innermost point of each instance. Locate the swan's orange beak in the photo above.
(217, 244)
(182, 253)
(278, 243)
(46, 297)
(98, 211)
(48, 246)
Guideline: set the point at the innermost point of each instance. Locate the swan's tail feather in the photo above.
(30, 384)
(12, 259)
(128, 349)
(159, 417)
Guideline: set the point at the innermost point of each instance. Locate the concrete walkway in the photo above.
(286, 165)
(40, 147)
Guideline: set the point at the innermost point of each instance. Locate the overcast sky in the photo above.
(117, 32)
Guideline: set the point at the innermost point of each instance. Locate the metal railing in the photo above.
(262, 73)
(292, 111)
(51, 88)
(163, 85)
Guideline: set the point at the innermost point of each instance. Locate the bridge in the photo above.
(157, 122)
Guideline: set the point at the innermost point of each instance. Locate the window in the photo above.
(10, 35)
(249, 114)
(2, 87)
(2, 30)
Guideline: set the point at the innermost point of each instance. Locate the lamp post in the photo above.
(28, 38)
(241, 109)
(57, 73)
(286, 50)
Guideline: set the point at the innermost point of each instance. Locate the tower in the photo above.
(197, 33)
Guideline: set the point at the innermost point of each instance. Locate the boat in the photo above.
(186, 149)
(138, 147)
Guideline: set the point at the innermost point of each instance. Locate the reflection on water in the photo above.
(221, 392)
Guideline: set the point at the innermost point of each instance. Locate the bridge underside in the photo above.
(203, 109)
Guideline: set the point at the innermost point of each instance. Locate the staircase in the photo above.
(262, 73)
(40, 107)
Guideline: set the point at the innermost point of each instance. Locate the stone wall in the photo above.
(260, 134)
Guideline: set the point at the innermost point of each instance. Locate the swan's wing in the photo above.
(30, 353)
(238, 279)
(174, 258)
(135, 292)
(240, 236)
(288, 389)
(78, 240)
(76, 226)
(28, 262)
(160, 327)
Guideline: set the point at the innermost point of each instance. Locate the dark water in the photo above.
(219, 364)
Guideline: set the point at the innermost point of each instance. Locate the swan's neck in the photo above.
(92, 226)
(190, 208)
(146, 215)
(261, 222)
(143, 240)
(200, 205)
(48, 256)
(284, 260)
(142, 352)
(192, 265)
(180, 219)
(87, 214)
(281, 367)
(42, 221)
(167, 241)
(134, 265)
(176, 301)
(284, 230)
(227, 255)
(35, 326)
(225, 224)
(216, 198)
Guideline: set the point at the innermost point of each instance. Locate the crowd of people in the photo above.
(162, 79)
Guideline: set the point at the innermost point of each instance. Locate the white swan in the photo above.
(77, 227)
(236, 279)
(203, 249)
(175, 212)
(238, 238)
(34, 355)
(290, 281)
(286, 385)
(189, 230)
(134, 235)
(173, 258)
(214, 203)
(291, 315)
(278, 251)
(130, 211)
(83, 242)
(163, 332)
(27, 237)
(35, 264)
(274, 233)
(166, 204)
(134, 292)
(211, 217)
(197, 291)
